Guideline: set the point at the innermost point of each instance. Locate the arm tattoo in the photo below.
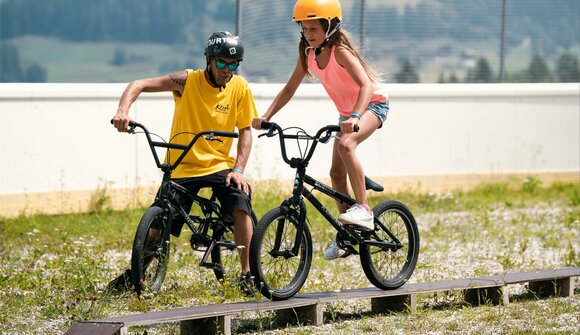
(179, 78)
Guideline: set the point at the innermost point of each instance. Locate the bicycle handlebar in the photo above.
(294, 162)
(210, 135)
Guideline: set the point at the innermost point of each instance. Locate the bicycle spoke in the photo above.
(279, 274)
(387, 268)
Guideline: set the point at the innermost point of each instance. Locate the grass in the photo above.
(69, 62)
(54, 269)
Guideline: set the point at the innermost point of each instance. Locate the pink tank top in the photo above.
(339, 85)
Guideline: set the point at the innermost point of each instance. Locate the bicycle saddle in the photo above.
(372, 185)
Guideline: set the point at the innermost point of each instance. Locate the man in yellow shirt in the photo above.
(216, 99)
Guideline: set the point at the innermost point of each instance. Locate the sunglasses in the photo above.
(221, 64)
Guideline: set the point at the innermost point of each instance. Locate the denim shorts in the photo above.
(379, 109)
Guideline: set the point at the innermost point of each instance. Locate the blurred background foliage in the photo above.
(427, 41)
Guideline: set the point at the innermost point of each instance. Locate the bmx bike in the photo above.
(210, 234)
(281, 247)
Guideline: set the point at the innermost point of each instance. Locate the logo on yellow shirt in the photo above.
(222, 109)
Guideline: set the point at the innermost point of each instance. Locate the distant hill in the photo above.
(437, 37)
(133, 21)
(159, 21)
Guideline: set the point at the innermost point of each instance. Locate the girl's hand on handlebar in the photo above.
(121, 122)
(348, 126)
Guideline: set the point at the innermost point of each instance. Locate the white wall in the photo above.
(56, 138)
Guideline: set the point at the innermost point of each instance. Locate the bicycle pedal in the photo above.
(356, 228)
(227, 244)
(208, 265)
(346, 254)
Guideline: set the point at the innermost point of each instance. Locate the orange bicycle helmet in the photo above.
(317, 9)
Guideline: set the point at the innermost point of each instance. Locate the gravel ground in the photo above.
(453, 245)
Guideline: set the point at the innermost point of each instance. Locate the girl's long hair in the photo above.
(340, 38)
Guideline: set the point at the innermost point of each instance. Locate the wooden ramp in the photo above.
(308, 308)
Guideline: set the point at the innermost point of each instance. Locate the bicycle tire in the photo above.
(225, 256)
(150, 254)
(387, 269)
(279, 277)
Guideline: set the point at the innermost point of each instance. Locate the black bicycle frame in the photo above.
(170, 206)
(300, 191)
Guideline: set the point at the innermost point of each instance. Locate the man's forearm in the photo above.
(244, 148)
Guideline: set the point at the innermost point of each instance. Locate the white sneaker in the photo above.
(333, 251)
(359, 216)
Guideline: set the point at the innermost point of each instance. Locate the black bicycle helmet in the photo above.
(224, 44)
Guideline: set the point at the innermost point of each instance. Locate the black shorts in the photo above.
(229, 197)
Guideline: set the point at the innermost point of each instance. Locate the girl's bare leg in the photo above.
(338, 176)
(346, 149)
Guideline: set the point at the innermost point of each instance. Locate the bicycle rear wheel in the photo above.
(385, 267)
(225, 255)
(279, 274)
(150, 253)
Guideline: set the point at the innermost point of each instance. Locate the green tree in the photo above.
(119, 57)
(35, 73)
(538, 71)
(567, 68)
(453, 78)
(407, 74)
(481, 73)
(10, 68)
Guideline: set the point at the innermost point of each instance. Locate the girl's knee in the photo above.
(346, 146)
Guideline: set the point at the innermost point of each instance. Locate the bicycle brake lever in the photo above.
(210, 137)
(270, 133)
(326, 137)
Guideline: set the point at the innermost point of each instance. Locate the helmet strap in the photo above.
(319, 48)
(212, 77)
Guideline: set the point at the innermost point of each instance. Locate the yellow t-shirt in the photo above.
(203, 107)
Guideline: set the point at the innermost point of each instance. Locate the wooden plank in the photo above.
(408, 289)
(524, 277)
(95, 328)
(309, 306)
(207, 311)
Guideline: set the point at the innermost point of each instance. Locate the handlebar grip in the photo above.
(334, 128)
(131, 123)
(224, 133)
(266, 125)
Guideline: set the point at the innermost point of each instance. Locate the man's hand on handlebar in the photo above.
(121, 122)
(257, 122)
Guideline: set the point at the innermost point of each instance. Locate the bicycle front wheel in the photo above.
(150, 252)
(389, 266)
(225, 255)
(278, 272)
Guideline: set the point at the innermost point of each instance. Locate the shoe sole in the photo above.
(349, 224)
(335, 257)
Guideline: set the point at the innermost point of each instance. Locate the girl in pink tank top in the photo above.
(325, 51)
